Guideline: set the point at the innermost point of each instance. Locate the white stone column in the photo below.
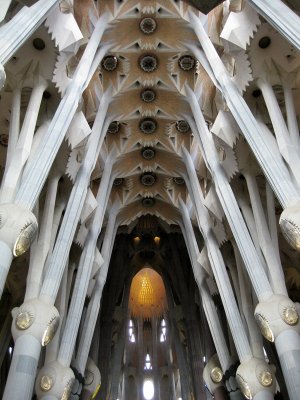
(239, 229)
(21, 225)
(286, 146)
(34, 325)
(273, 167)
(222, 280)
(231, 310)
(83, 276)
(61, 250)
(41, 247)
(291, 112)
(256, 272)
(14, 33)
(12, 174)
(247, 307)
(73, 211)
(215, 327)
(94, 304)
(14, 124)
(4, 7)
(271, 254)
(281, 17)
(32, 184)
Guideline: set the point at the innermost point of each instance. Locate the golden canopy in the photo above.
(147, 295)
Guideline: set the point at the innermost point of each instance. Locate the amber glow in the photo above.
(157, 240)
(147, 294)
(136, 240)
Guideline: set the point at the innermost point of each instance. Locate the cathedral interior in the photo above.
(149, 199)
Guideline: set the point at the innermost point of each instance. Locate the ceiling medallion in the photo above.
(110, 63)
(118, 181)
(148, 179)
(148, 95)
(148, 63)
(186, 63)
(148, 202)
(264, 42)
(38, 44)
(182, 126)
(148, 25)
(148, 153)
(178, 180)
(148, 125)
(114, 127)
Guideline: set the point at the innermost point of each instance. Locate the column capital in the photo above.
(290, 225)
(276, 315)
(213, 374)
(255, 376)
(54, 380)
(18, 227)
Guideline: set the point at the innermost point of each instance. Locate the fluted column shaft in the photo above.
(84, 270)
(272, 166)
(43, 158)
(22, 150)
(15, 32)
(227, 199)
(94, 304)
(285, 144)
(73, 210)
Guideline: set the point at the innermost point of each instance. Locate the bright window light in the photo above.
(131, 332)
(148, 390)
(148, 365)
(163, 334)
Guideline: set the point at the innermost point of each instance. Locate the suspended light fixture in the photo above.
(147, 295)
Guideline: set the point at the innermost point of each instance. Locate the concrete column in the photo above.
(232, 313)
(94, 304)
(41, 249)
(20, 380)
(84, 269)
(34, 325)
(21, 219)
(291, 115)
(278, 320)
(281, 17)
(4, 9)
(73, 210)
(215, 328)
(14, 33)
(14, 124)
(10, 182)
(271, 254)
(274, 169)
(285, 144)
(227, 199)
